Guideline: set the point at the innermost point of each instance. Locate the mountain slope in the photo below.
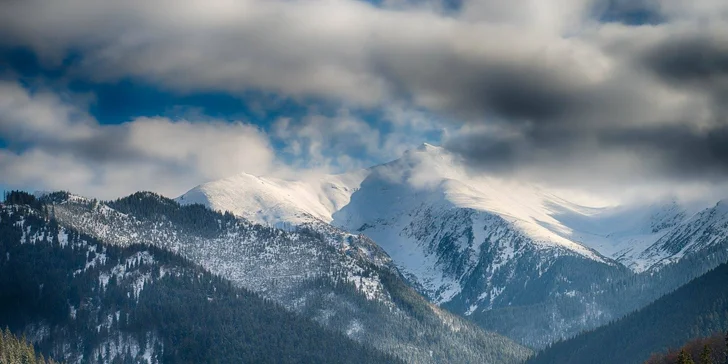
(648, 237)
(82, 301)
(271, 201)
(343, 281)
(443, 227)
(698, 308)
(481, 246)
(706, 229)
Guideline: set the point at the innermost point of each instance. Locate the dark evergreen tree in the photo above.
(684, 358)
(706, 356)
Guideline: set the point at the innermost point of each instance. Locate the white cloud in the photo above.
(321, 141)
(54, 145)
(345, 141)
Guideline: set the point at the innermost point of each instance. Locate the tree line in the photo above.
(705, 350)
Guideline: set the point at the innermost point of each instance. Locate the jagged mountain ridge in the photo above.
(623, 233)
(261, 258)
(343, 281)
(628, 234)
(474, 243)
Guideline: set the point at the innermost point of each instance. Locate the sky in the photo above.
(614, 97)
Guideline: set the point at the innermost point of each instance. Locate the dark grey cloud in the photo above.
(518, 94)
(111, 144)
(476, 88)
(679, 149)
(623, 123)
(676, 152)
(697, 60)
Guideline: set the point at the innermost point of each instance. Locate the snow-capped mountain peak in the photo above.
(406, 206)
(431, 175)
(274, 201)
(439, 220)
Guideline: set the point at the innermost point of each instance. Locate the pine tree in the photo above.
(684, 358)
(18, 351)
(706, 356)
(28, 352)
(3, 350)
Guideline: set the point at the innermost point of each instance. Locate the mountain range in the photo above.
(80, 300)
(477, 244)
(420, 259)
(341, 281)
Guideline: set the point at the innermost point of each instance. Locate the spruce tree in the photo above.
(3, 350)
(706, 356)
(28, 352)
(18, 351)
(684, 358)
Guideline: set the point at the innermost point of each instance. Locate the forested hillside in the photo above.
(704, 350)
(699, 308)
(79, 300)
(604, 295)
(342, 281)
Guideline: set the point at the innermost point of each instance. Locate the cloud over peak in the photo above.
(576, 92)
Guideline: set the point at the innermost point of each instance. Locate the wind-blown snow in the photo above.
(399, 204)
(272, 201)
(428, 172)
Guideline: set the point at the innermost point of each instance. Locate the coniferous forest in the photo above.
(698, 309)
(311, 271)
(83, 301)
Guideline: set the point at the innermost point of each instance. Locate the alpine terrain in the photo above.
(79, 300)
(697, 309)
(342, 281)
(512, 257)
(363, 181)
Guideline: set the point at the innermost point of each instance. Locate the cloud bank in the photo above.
(56, 145)
(584, 93)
